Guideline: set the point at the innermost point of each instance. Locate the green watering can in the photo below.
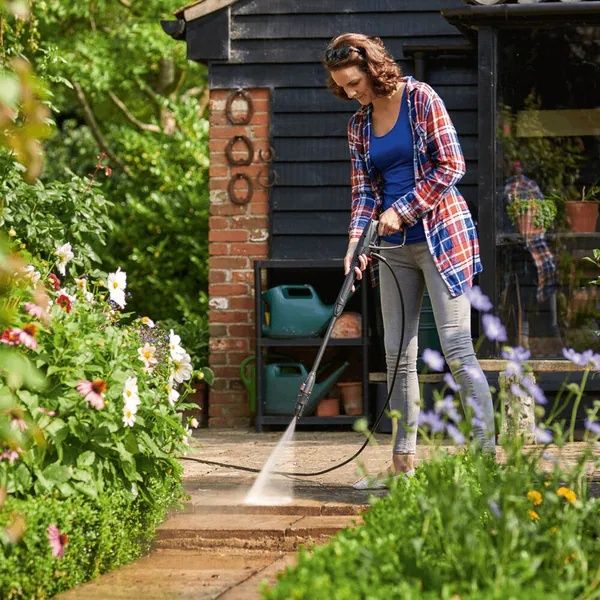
(282, 382)
(294, 311)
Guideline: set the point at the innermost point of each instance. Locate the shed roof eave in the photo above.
(201, 8)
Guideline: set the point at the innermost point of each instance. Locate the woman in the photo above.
(406, 161)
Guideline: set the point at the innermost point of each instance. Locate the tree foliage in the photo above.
(121, 87)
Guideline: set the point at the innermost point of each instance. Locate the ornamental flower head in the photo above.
(11, 337)
(534, 390)
(533, 515)
(568, 494)
(129, 413)
(64, 254)
(478, 299)
(148, 322)
(194, 423)
(431, 420)
(58, 541)
(81, 284)
(457, 437)
(93, 391)
(37, 311)
(517, 354)
(55, 281)
(65, 302)
(584, 359)
(448, 408)
(130, 392)
(592, 426)
(27, 337)
(117, 282)
(433, 359)
(172, 393)
(175, 348)
(493, 328)
(9, 455)
(147, 354)
(449, 381)
(534, 497)
(182, 367)
(542, 436)
(32, 274)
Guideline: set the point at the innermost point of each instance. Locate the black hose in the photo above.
(379, 416)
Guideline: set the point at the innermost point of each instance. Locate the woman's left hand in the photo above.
(389, 223)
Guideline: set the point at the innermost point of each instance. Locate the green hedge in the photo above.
(103, 534)
(461, 528)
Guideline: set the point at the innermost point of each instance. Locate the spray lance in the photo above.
(366, 240)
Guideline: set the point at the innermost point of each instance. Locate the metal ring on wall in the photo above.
(245, 119)
(231, 189)
(239, 162)
(268, 156)
(271, 178)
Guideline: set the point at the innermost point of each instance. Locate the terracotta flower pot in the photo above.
(525, 224)
(352, 397)
(328, 407)
(582, 216)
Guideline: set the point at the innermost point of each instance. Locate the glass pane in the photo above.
(549, 134)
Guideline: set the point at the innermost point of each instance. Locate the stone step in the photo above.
(223, 504)
(268, 531)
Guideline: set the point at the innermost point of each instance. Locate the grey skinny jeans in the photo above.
(415, 269)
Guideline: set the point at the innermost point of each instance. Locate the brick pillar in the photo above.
(237, 235)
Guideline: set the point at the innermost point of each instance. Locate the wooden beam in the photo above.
(200, 9)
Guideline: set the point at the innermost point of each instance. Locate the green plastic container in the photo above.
(282, 382)
(294, 311)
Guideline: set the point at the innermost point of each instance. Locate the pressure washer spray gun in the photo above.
(365, 241)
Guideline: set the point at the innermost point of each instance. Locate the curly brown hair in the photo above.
(369, 55)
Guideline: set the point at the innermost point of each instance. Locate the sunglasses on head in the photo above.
(341, 53)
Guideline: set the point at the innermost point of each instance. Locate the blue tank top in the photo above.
(393, 156)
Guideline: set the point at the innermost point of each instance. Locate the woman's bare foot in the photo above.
(403, 463)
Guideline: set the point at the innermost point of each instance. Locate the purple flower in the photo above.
(433, 359)
(592, 426)
(493, 328)
(516, 390)
(432, 420)
(448, 408)
(449, 381)
(455, 434)
(573, 356)
(475, 372)
(517, 354)
(513, 369)
(535, 391)
(479, 301)
(543, 436)
(476, 409)
(495, 508)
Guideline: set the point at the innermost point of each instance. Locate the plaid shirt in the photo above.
(521, 187)
(439, 165)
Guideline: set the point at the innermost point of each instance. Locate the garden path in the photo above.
(217, 547)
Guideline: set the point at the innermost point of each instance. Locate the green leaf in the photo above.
(57, 473)
(85, 459)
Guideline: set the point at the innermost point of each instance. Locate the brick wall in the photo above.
(238, 234)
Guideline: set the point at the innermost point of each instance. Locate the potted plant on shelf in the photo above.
(531, 216)
(581, 212)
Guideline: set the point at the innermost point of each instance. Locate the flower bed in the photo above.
(91, 403)
(463, 527)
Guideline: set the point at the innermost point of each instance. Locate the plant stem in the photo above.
(576, 404)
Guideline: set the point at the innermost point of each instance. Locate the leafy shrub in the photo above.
(103, 534)
(462, 527)
(43, 216)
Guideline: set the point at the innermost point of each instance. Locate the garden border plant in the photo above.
(465, 526)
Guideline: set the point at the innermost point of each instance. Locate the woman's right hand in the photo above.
(362, 261)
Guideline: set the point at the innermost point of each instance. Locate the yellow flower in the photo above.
(568, 494)
(534, 497)
(533, 515)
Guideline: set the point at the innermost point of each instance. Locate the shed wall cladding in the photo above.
(278, 44)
